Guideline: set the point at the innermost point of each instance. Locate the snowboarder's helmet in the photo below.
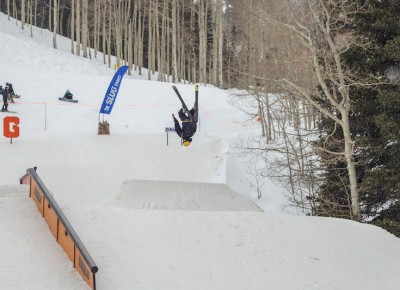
(186, 143)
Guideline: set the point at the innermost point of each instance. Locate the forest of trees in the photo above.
(326, 69)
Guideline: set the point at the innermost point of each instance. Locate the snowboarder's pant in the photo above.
(5, 106)
(194, 112)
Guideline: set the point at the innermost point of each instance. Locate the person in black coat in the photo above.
(189, 123)
(5, 100)
(68, 95)
(9, 92)
(10, 89)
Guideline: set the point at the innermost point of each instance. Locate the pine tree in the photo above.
(377, 112)
(375, 122)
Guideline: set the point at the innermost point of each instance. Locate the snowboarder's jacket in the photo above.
(68, 95)
(10, 89)
(4, 94)
(188, 128)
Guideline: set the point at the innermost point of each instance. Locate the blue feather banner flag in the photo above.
(112, 91)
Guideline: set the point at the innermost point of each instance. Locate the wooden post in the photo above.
(104, 128)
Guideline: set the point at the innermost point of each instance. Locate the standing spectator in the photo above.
(9, 92)
(10, 89)
(5, 100)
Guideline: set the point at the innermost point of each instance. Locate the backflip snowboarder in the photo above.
(189, 119)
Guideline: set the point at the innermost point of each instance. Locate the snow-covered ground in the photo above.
(194, 234)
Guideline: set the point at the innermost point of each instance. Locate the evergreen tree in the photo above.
(375, 119)
(377, 114)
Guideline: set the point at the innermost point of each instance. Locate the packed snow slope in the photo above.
(102, 182)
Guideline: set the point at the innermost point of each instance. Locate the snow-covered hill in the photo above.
(187, 242)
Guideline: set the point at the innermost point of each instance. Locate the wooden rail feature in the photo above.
(60, 227)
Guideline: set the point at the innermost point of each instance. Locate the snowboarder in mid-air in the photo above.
(68, 95)
(189, 120)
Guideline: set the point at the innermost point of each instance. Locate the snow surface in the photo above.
(109, 187)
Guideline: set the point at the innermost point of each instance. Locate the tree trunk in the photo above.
(78, 27)
(55, 24)
(72, 16)
(174, 44)
(220, 44)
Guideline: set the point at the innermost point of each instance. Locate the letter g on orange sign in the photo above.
(11, 128)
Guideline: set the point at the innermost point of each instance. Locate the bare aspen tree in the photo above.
(193, 57)
(214, 63)
(72, 21)
(60, 17)
(163, 41)
(15, 14)
(78, 27)
(154, 40)
(8, 10)
(22, 14)
(127, 31)
(84, 27)
(174, 40)
(182, 41)
(220, 42)
(130, 47)
(158, 40)
(150, 42)
(50, 14)
(30, 18)
(135, 35)
(140, 33)
(96, 27)
(35, 13)
(168, 51)
(314, 25)
(259, 61)
(116, 30)
(104, 31)
(109, 36)
(331, 72)
(55, 24)
(202, 11)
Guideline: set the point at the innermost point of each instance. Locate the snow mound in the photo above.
(168, 195)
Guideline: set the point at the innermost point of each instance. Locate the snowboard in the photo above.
(67, 100)
(14, 112)
(183, 103)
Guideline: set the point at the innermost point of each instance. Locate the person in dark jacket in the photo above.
(68, 95)
(9, 92)
(10, 89)
(189, 123)
(5, 100)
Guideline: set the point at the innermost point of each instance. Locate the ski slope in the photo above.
(154, 216)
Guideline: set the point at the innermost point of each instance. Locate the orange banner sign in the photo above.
(11, 128)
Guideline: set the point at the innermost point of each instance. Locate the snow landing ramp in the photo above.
(173, 195)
